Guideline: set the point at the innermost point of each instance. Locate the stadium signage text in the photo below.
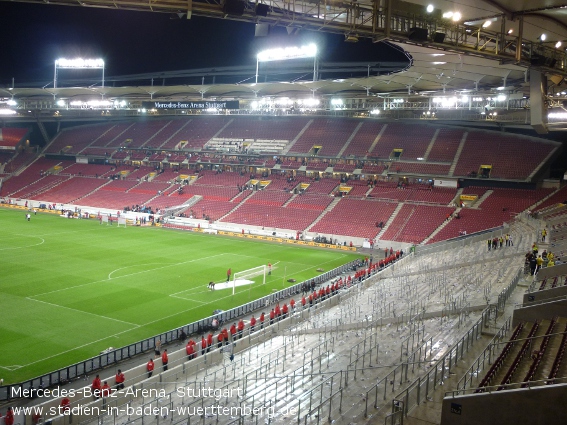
(230, 104)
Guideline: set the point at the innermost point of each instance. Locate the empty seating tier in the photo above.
(355, 217)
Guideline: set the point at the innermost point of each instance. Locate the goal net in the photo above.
(246, 277)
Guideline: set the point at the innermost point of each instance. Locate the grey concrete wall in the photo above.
(538, 312)
(536, 406)
(546, 294)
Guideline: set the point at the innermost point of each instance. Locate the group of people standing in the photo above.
(494, 243)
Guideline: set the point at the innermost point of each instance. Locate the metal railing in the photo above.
(420, 389)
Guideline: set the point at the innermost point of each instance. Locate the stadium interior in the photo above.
(452, 165)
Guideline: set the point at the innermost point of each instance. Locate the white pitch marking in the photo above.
(126, 275)
(27, 246)
(84, 312)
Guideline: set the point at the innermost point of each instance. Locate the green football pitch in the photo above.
(72, 288)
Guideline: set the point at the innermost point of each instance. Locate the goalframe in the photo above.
(249, 274)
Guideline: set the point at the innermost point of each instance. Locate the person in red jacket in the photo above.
(209, 342)
(190, 350)
(292, 305)
(252, 324)
(65, 405)
(233, 332)
(278, 311)
(284, 310)
(105, 390)
(120, 378)
(96, 387)
(150, 368)
(220, 338)
(164, 359)
(272, 316)
(303, 301)
(204, 345)
(262, 317)
(240, 328)
(9, 418)
(225, 336)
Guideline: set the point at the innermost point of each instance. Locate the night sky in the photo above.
(34, 35)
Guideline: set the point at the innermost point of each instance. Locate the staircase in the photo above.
(174, 134)
(340, 155)
(325, 211)
(540, 165)
(162, 193)
(286, 203)
(458, 154)
(155, 134)
(92, 191)
(303, 130)
(375, 142)
(392, 217)
(441, 226)
(430, 146)
(237, 206)
(482, 198)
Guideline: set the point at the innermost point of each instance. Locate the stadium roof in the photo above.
(429, 71)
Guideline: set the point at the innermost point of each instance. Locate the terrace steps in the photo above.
(303, 130)
(431, 143)
(377, 139)
(93, 191)
(390, 220)
(325, 211)
(458, 154)
(432, 235)
(236, 206)
(480, 200)
(340, 154)
(174, 134)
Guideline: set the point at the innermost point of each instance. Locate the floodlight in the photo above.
(429, 8)
(486, 24)
(79, 63)
(456, 16)
(307, 51)
(12, 102)
(501, 98)
(542, 37)
(510, 31)
(7, 112)
(60, 102)
(558, 45)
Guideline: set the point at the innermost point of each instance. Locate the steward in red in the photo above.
(190, 350)
(119, 378)
(150, 368)
(96, 386)
(240, 328)
(164, 359)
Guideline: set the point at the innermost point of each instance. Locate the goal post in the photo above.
(246, 276)
(121, 222)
